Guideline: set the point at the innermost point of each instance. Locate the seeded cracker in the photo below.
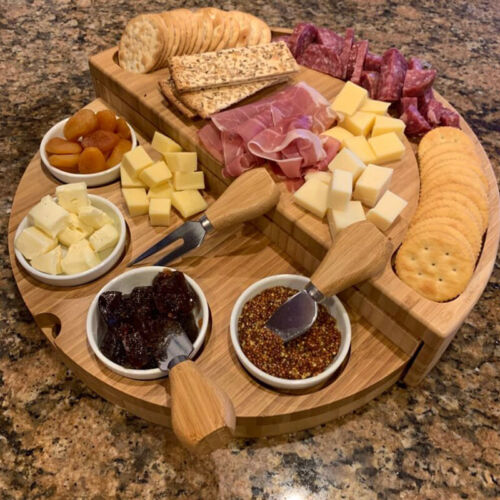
(167, 89)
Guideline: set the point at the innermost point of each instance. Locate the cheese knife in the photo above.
(359, 252)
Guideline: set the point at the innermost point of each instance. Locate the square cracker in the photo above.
(167, 89)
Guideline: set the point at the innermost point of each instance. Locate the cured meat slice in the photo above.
(373, 62)
(331, 147)
(322, 58)
(405, 102)
(330, 39)
(360, 60)
(302, 36)
(370, 81)
(434, 112)
(392, 76)
(210, 137)
(417, 81)
(416, 124)
(449, 118)
(352, 60)
(415, 63)
(346, 50)
(424, 100)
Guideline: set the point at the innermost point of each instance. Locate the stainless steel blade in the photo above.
(294, 317)
(177, 348)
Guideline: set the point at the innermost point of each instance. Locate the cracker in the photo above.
(448, 148)
(453, 172)
(208, 31)
(441, 135)
(455, 164)
(167, 89)
(245, 28)
(233, 26)
(179, 16)
(201, 22)
(265, 35)
(218, 21)
(256, 28)
(436, 265)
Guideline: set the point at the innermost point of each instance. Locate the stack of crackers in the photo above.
(203, 84)
(150, 39)
(440, 250)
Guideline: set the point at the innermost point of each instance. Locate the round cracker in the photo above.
(200, 20)
(265, 34)
(453, 172)
(179, 17)
(170, 35)
(456, 163)
(175, 31)
(218, 21)
(442, 150)
(208, 30)
(233, 28)
(245, 28)
(196, 26)
(256, 26)
(441, 135)
(190, 30)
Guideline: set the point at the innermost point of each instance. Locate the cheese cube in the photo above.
(374, 106)
(325, 177)
(79, 258)
(181, 162)
(136, 200)
(313, 196)
(164, 144)
(159, 211)
(188, 202)
(339, 133)
(347, 160)
(372, 184)
(94, 217)
(386, 124)
(387, 147)
(70, 235)
(161, 191)
(360, 123)
(105, 237)
(49, 262)
(340, 219)
(386, 211)
(135, 161)
(33, 242)
(157, 173)
(349, 99)
(76, 223)
(340, 191)
(48, 216)
(72, 196)
(129, 182)
(188, 180)
(361, 148)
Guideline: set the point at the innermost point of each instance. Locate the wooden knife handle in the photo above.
(359, 252)
(203, 416)
(250, 195)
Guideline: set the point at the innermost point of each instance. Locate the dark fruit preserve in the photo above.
(303, 357)
(135, 325)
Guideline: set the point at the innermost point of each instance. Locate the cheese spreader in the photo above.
(250, 195)
(359, 252)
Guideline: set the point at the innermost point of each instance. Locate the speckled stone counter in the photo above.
(58, 439)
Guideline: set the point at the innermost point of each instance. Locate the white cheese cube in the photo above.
(161, 191)
(79, 258)
(94, 217)
(73, 196)
(33, 242)
(360, 123)
(340, 219)
(374, 106)
(48, 216)
(70, 235)
(340, 192)
(339, 133)
(347, 160)
(135, 161)
(188, 180)
(76, 223)
(325, 177)
(386, 211)
(104, 238)
(349, 99)
(188, 202)
(129, 182)
(136, 200)
(159, 211)
(163, 144)
(372, 184)
(181, 162)
(387, 147)
(386, 124)
(49, 262)
(361, 148)
(157, 173)
(313, 196)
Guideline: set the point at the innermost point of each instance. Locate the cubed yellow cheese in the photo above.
(70, 235)
(161, 191)
(360, 123)
(340, 219)
(325, 177)
(157, 173)
(386, 211)
(339, 133)
(372, 184)
(188, 202)
(313, 196)
(163, 144)
(76, 223)
(104, 238)
(386, 124)
(340, 192)
(374, 106)
(80, 257)
(129, 182)
(349, 99)
(159, 211)
(136, 200)
(93, 217)
(188, 180)
(347, 160)
(72, 196)
(181, 162)
(49, 262)
(136, 161)
(387, 147)
(48, 216)
(361, 148)
(33, 242)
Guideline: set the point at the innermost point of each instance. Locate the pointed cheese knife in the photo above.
(359, 252)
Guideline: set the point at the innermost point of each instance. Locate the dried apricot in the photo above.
(60, 146)
(122, 129)
(119, 150)
(102, 139)
(91, 161)
(107, 120)
(68, 163)
(81, 123)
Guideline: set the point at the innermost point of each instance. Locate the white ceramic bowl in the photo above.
(92, 180)
(91, 274)
(334, 307)
(142, 276)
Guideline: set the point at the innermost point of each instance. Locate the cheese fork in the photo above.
(250, 195)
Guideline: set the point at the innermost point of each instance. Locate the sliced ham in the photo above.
(210, 137)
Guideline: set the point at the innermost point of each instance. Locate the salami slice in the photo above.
(322, 58)
(330, 39)
(346, 50)
(352, 60)
(392, 76)
(434, 111)
(373, 62)
(449, 118)
(303, 35)
(415, 63)
(360, 60)
(370, 81)
(417, 81)
(405, 102)
(416, 124)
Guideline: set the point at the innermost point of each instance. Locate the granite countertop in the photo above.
(58, 439)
